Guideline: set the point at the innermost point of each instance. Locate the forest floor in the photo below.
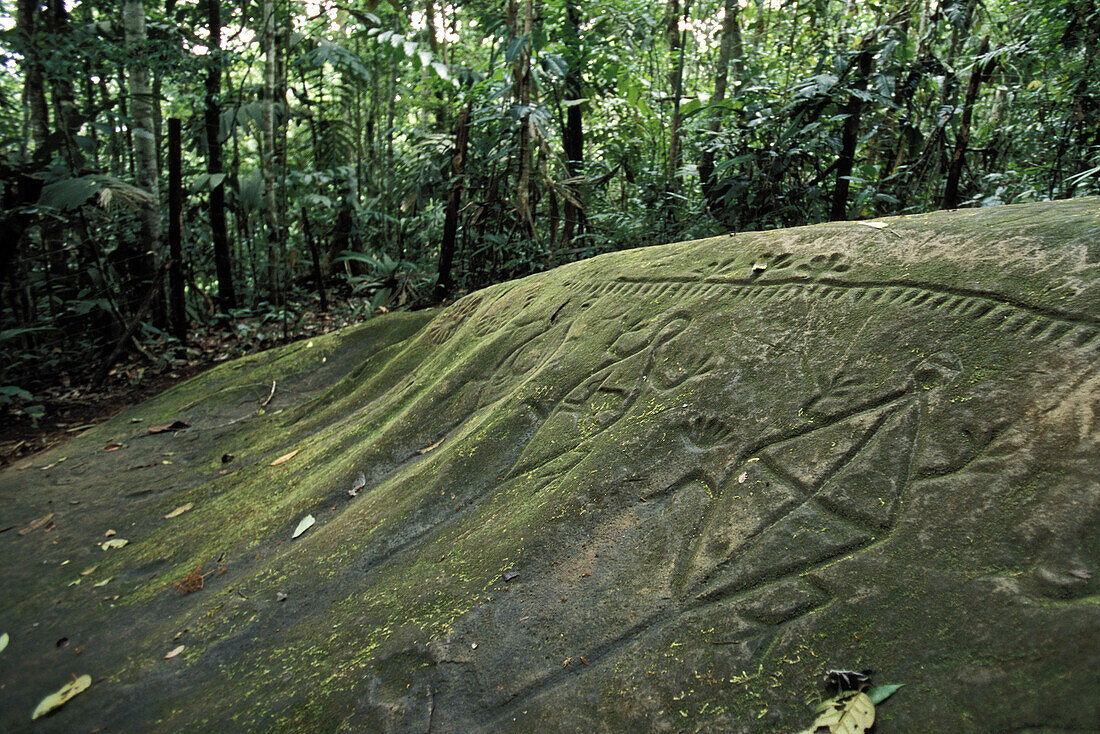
(71, 407)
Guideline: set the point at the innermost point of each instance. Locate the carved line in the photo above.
(899, 289)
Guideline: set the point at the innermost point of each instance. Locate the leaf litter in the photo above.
(58, 699)
(179, 510)
(306, 523)
(357, 485)
(285, 457)
(852, 709)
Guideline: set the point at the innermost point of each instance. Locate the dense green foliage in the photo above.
(584, 128)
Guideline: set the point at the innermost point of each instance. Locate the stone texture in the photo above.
(711, 470)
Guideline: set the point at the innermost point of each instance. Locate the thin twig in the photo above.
(265, 401)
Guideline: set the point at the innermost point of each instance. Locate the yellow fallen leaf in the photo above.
(179, 510)
(285, 457)
(430, 447)
(87, 571)
(114, 543)
(59, 699)
(174, 652)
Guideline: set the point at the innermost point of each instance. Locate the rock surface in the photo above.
(660, 490)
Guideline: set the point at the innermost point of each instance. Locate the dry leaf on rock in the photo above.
(104, 582)
(179, 510)
(304, 525)
(430, 447)
(174, 652)
(875, 225)
(61, 697)
(849, 713)
(169, 427)
(114, 543)
(357, 485)
(285, 457)
(35, 524)
(113, 446)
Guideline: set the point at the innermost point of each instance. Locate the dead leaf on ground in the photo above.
(114, 543)
(38, 523)
(357, 485)
(104, 582)
(285, 457)
(430, 447)
(179, 510)
(114, 446)
(306, 523)
(87, 571)
(174, 652)
(110, 534)
(849, 713)
(169, 427)
(61, 697)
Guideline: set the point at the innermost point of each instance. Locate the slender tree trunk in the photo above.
(175, 231)
(144, 147)
(268, 153)
(28, 22)
(730, 48)
(227, 297)
(318, 277)
(676, 51)
(573, 134)
(522, 75)
(444, 284)
(958, 158)
(850, 137)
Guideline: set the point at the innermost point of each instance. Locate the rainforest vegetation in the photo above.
(189, 179)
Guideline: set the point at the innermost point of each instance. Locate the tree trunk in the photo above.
(522, 76)
(34, 86)
(227, 297)
(268, 153)
(962, 140)
(175, 231)
(850, 137)
(676, 77)
(318, 277)
(444, 284)
(730, 49)
(144, 149)
(573, 134)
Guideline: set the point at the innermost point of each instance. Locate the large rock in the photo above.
(661, 490)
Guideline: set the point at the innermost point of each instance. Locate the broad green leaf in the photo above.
(442, 70)
(4, 639)
(306, 523)
(61, 697)
(878, 694)
(114, 543)
(850, 713)
(69, 193)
